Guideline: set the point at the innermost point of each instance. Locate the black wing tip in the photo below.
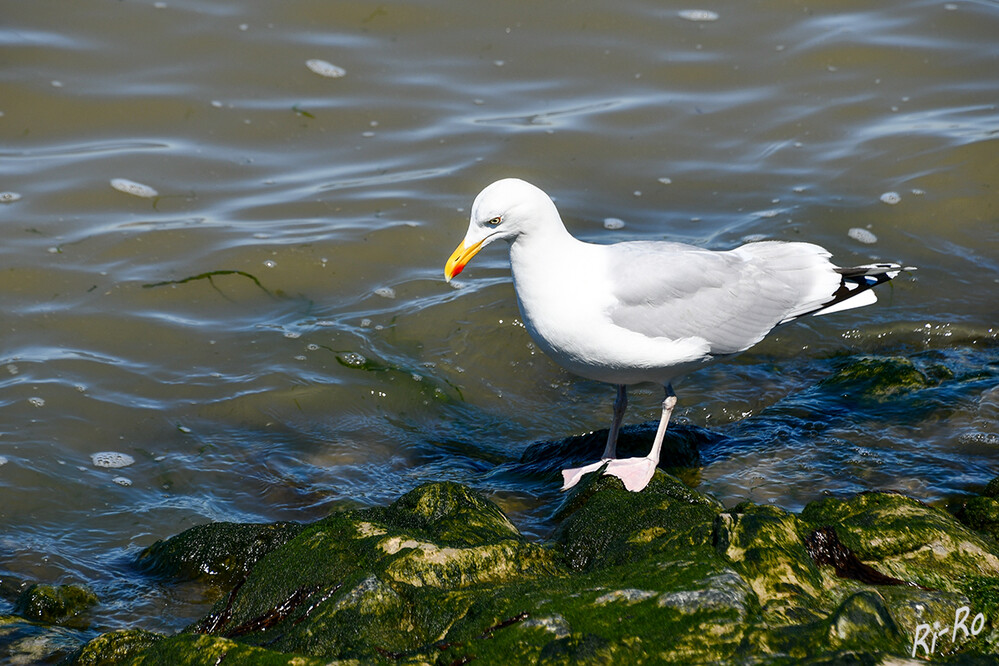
(874, 270)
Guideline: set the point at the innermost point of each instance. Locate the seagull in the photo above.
(649, 311)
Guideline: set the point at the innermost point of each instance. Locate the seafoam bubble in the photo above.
(665, 180)
(327, 69)
(9, 197)
(111, 459)
(862, 235)
(135, 189)
(37, 402)
(698, 15)
(613, 223)
(891, 198)
(122, 481)
(385, 292)
(3, 460)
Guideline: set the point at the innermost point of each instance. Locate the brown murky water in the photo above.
(267, 335)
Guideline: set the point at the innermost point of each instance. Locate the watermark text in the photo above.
(928, 636)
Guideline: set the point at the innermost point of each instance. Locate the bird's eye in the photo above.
(494, 221)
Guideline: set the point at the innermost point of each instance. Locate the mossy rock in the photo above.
(115, 647)
(764, 545)
(906, 539)
(56, 604)
(391, 579)
(216, 553)
(201, 650)
(451, 514)
(878, 377)
(602, 524)
(667, 575)
(982, 514)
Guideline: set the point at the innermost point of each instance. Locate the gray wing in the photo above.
(730, 299)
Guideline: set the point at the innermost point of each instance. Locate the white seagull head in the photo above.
(507, 209)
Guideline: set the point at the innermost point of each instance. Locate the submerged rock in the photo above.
(879, 377)
(26, 642)
(663, 576)
(56, 604)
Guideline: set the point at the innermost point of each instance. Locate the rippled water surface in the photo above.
(225, 223)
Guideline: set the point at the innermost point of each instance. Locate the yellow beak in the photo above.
(461, 256)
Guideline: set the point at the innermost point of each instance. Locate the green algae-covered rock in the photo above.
(217, 553)
(982, 514)
(599, 525)
(878, 377)
(56, 604)
(763, 543)
(361, 582)
(197, 650)
(115, 647)
(906, 539)
(667, 575)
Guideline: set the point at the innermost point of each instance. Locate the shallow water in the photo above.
(259, 320)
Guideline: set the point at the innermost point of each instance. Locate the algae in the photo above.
(879, 377)
(664, 576)
(216, 553)
(56, 604)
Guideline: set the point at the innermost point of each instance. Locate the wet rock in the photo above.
(217, 553)
(878, 377)
(680, 448)
(600, 526)
(864, 620)
(27, 643)
(201, 650)
(764, 545)
(982, 514)
(906, 539)
(115, 647)
(56, 604)
(393, 580)
(663, 576)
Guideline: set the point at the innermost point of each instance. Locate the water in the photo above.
(225, 225)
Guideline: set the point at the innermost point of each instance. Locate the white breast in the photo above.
(564, 298)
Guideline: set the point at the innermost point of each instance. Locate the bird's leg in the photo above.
(620, 404)
(571, 477)
(668, 404)
(635, 473)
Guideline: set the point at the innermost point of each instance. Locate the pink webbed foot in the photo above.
(635, 473)
(571, 477)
